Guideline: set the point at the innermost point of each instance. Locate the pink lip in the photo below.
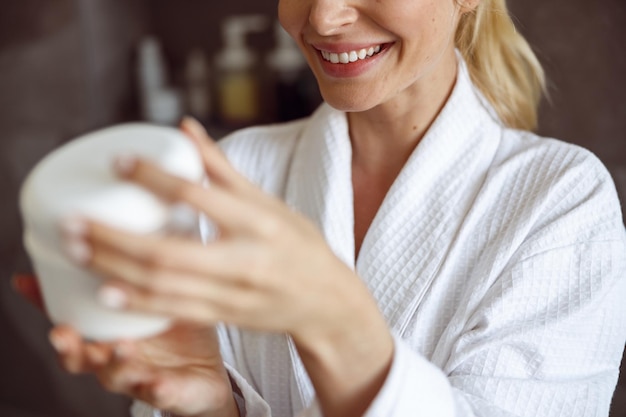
(351, 69)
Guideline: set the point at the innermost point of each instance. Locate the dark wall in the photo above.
(66, 67)
(64, 70)
(581, 45)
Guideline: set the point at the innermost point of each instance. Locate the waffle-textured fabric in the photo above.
(498, 259)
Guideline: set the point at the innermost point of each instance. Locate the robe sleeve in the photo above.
(517, 362)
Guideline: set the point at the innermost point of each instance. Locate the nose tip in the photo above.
(327, 16)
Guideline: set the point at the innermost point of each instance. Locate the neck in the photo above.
(384, 137)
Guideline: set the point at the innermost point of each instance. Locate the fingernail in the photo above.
(121, 351)
(74, 226)
(125, 164)
(57, 343)
(112, 297)
(193, 126)
(160, 390)
(95, 355)
(78, 250)
(188, 121)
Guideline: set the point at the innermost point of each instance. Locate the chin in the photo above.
(349, 103)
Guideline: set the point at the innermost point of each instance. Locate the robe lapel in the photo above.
(419, 217)
(320, 179)
(416, 224)
(319, 186)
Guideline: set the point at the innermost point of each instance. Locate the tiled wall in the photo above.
(66, 67)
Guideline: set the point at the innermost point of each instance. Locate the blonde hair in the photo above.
(501, 63)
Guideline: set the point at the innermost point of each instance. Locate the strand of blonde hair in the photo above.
(501, 63)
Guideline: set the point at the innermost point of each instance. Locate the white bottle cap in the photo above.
(236, 55)
(286, 57)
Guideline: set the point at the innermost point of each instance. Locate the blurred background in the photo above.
(71, 66)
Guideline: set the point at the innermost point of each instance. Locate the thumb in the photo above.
(216, 165)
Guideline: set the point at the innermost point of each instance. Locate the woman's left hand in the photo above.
(269, 268)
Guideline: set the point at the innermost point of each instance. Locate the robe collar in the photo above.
(414, 227)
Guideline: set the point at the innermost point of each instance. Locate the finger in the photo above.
(124, 376)
(77, 355)
(70, 349)
(187, 391)
(217, 167)
(118, 296)
(150, 261)
(98, 355)
(158, 277)
(225, 208)
(235, 306)
(28, 287)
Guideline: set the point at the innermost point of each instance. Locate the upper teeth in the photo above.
(351, 56)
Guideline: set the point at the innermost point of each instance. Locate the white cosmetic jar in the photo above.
(78, 179)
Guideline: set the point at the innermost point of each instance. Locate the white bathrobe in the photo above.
(498, 259)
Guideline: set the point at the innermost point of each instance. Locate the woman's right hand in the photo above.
(180, 370)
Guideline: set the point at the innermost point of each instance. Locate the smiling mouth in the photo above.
(351, 56)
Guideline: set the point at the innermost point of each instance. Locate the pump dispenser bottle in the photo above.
(294, 89)
(197, 83)
(237, 81)
(160, 103)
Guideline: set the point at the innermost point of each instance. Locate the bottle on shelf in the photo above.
(198, 86)
(295, 92)
(238, 90)
(160, 103)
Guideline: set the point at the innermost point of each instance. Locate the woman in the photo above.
(410, 249)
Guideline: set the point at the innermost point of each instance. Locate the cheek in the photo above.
(423, 22)
(431, 37)
(291, 16)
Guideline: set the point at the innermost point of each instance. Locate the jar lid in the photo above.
(78, 179)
